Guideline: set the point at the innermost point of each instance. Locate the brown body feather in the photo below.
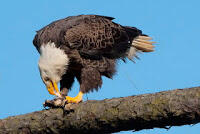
(93, 44)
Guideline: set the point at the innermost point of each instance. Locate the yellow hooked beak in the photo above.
(53, 89)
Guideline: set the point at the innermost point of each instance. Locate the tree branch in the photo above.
(161, 110)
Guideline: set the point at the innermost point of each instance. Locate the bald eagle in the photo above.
(85, 47)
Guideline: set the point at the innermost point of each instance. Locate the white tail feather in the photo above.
(143, 44)
(140, 44)
(144, 37)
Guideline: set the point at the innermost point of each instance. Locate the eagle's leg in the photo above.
(66, 83)
(76, 99)
(64, 91)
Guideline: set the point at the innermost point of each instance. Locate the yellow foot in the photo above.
(76, 99)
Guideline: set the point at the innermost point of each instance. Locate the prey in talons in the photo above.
(60, 100)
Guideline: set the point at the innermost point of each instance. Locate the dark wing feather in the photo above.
(97, 36)
(56, 30)
(93, 36)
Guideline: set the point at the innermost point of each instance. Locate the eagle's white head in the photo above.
(52, 64)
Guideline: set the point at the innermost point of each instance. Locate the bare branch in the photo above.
(161, 110)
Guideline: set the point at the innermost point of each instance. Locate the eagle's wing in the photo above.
(97, 36)
(93, 36)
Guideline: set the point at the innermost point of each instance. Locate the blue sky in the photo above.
(174, 25)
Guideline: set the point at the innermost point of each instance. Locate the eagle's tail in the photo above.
(140, 42)
(143, 43)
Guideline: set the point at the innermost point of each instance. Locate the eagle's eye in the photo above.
(46, 79)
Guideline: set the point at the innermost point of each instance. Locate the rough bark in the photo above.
(161, 110)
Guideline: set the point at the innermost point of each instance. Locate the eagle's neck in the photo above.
(53, 60)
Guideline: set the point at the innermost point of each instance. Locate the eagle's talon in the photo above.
(73, 99)
(76, 99)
